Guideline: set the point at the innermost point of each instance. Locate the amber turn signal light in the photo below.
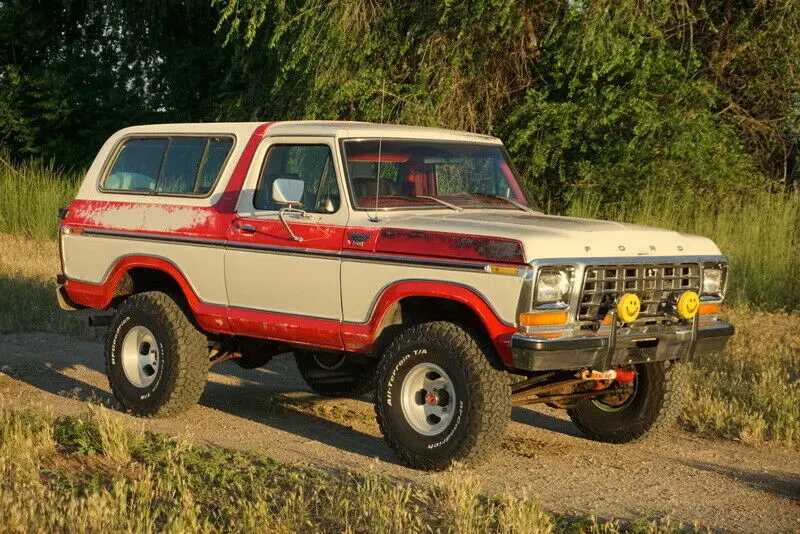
(543, 319)
(708, 309)
(504, 269)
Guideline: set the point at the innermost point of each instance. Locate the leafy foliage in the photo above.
(606, 96)
(72, 72)
(601, 97)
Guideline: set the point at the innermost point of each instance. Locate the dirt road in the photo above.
(723, 485)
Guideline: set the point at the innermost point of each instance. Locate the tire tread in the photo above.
(188, 345)
(653, 423)
(490, 395)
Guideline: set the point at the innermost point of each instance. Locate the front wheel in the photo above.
(649, 405)
(439, 398)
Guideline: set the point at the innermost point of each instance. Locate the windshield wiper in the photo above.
(417, 197)
(442, 202)
(523, 207)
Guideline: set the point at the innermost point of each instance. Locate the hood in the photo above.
(551, 236)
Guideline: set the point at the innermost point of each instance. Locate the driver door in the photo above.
(278, 286)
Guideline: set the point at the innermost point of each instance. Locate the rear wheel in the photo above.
(335, 374)
(649, 405)
(156, 360)
(439, 398)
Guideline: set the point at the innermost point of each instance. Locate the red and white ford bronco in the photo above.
(401, 259)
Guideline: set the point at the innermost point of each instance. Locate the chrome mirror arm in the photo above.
(290, 209)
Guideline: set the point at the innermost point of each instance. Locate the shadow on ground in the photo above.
(778, 483)
(267, 396)
(257, 395)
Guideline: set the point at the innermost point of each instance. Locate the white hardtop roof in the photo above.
(339, 129)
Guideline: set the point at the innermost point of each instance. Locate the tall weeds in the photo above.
(30, 195)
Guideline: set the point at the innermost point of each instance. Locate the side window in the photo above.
(137, 165)
(169, 165)
(313, 164)
(216, 154)
(181, 164)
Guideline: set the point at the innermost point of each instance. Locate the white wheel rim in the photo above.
(140, 356)
(428, 399)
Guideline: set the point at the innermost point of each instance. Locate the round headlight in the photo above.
(553, 285)
(712, 281)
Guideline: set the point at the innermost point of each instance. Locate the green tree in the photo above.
(72, 72)
(605, 96)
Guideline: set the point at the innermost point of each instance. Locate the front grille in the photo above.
(658, 285)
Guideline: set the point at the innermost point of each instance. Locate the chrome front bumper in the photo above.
(604, 350)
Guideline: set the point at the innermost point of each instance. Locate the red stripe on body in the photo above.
(310, 331)
(450, 246)
(272, 232)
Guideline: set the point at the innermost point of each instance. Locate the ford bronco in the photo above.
(401, 259)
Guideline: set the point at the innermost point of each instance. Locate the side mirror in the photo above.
(287, 191)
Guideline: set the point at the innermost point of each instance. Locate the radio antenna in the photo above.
(380, 147)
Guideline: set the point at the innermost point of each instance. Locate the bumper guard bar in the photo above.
(605, 350)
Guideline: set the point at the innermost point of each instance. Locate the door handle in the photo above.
(246, 228)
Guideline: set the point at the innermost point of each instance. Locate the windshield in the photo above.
(461, 174)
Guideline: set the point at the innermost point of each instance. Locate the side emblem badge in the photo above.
(357, 239)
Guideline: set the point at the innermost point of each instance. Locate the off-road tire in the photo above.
(482, 389)
(347, 378)
(183, 367)
(658, 398)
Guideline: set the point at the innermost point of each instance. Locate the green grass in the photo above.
(89, 473)
(759, 232)
(30, 195)
(750, 392)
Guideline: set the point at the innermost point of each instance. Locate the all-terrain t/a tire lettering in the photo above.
(473, 398)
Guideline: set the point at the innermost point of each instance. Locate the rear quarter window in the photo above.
(176, 165)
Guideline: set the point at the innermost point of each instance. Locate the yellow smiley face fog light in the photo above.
(628, 308)
(688, 304)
